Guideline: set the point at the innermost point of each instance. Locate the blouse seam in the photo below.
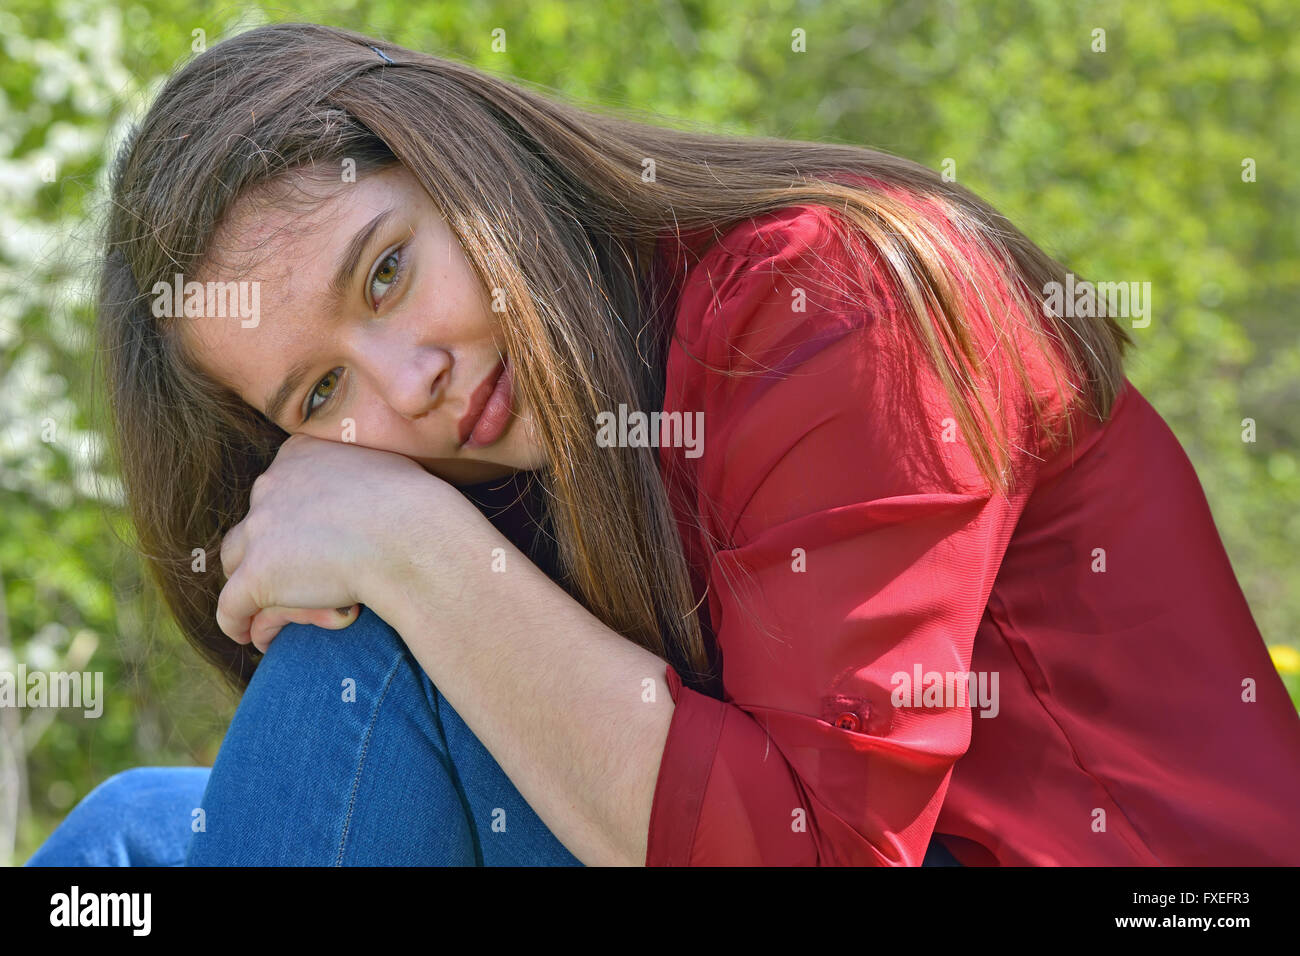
(713, 758)
(1004, 625)
(696, 795)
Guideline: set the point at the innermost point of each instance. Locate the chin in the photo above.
(463, 472)
(501, 459)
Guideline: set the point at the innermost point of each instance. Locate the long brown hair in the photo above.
(550, 205)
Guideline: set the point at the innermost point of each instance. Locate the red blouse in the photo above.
(1124, 706)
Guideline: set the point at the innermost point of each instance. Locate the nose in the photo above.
(411, 378)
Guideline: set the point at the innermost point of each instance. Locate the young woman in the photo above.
(683, 499)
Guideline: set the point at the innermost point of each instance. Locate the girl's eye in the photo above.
(332, 379)
(388, 271)
(385, 276)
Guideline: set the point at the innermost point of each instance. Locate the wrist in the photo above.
(435, 534)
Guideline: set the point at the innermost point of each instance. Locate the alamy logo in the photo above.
(946, 689)
(211, 300)
(102, 909)
(639, 430)
(1119, 300)
(55, 689)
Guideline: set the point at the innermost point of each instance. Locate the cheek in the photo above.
(451, 295)
(363, 424)
(523, 449)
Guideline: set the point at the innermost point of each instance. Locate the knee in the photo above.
(124, 790)
(308, 670)
(366, 648)
(124, 820)
(143, 791)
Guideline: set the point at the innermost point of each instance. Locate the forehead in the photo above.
(277, 228)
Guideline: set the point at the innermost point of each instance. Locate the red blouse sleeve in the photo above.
(858, 550)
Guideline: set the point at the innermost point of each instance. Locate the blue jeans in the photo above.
(341, 753)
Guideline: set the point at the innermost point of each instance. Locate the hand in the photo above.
(324, 520)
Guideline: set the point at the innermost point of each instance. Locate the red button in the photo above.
(848, 721)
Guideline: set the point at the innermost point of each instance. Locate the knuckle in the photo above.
(223, 618)
(225, 554)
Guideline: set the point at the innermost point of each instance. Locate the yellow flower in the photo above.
(1285, 658)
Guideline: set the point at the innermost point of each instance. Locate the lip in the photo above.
(478, 402)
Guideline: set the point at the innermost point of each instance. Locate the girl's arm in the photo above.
(574, 713)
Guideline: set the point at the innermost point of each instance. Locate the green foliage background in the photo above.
(1124, 164)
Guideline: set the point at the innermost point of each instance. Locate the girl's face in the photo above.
(370, 327)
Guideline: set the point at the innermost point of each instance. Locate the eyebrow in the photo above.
(343, 278)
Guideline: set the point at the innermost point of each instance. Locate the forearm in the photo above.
(558, 698)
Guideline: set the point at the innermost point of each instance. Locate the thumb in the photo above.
(268, 621)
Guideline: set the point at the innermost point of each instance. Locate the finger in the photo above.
(236, 608)
(238, 604)
(267, 622)
(232, 550)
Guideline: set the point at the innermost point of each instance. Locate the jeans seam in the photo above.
(361, 762)
(453, 772)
